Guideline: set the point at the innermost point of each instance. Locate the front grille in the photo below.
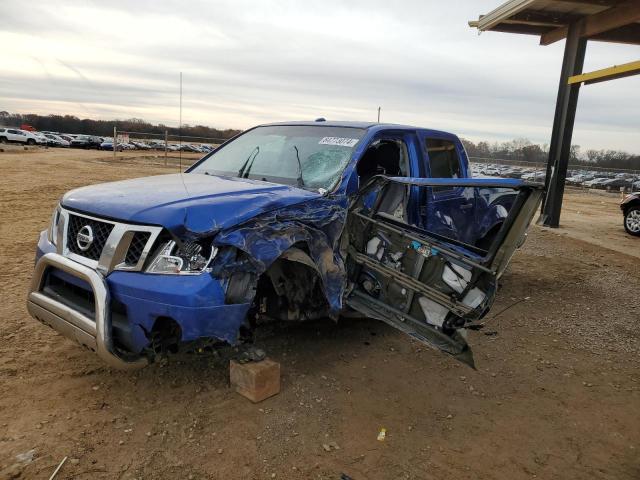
(136, 247)
(101, 231)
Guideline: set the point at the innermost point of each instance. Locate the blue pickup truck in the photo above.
(288, 222)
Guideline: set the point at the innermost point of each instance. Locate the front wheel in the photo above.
(31, 141)
(632, 221)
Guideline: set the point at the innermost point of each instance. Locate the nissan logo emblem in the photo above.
(84, 238)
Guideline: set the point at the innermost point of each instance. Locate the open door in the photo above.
(424, 283)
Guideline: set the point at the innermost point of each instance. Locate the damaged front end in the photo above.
(138, 291)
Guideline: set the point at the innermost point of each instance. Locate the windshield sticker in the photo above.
(338, 141)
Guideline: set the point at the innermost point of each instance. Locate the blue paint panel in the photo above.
(219, 321)
(184, 203)
(195, 302)
(183, 290)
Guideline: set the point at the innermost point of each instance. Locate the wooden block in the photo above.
(255, 380)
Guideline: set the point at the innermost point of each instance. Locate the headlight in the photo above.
(188, 258)
(52, 231)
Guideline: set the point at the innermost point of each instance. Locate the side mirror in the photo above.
(353, 185)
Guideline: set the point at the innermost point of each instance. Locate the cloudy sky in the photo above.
(247, 62)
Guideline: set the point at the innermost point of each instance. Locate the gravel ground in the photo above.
(556, 393)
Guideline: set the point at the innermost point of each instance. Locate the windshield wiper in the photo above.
(300, 180)
(252, 156)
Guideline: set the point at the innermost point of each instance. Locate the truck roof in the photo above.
(363, 125)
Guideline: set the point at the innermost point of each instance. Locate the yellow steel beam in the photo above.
(611, 73)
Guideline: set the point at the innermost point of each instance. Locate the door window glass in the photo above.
(443, 159)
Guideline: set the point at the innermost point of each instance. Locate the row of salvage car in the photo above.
(73, 140)
(603, 180)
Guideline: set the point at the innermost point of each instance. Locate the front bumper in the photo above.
(120, 335)
(95, 334)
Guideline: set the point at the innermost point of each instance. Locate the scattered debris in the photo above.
(251, 354)
(330, 446)
(55, 472)
(26, 457)
(382, 434)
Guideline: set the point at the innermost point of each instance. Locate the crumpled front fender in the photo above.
(318, 223)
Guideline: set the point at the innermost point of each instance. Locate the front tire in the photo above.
(31, 142)
(632, 221)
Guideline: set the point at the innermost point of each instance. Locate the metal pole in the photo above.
(565, 114)
(166, 145)
(115, 140)
(378, 114)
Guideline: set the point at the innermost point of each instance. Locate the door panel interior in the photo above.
(421, 281)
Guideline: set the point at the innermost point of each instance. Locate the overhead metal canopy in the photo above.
(577, 21)
(615, 21)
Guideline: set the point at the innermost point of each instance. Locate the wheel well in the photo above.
(291, 288)
(165, 335)
(630, 205)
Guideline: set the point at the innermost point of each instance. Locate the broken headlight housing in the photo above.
(187, 258)
(52, 231)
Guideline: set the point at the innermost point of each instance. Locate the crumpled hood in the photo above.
(184, 203)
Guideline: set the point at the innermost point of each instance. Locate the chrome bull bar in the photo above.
(96, 335)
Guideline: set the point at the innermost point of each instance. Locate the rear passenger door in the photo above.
(450, 212)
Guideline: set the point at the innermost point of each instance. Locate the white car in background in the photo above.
(595, 182)
(55, 140)
(43, 138)
(16, 135)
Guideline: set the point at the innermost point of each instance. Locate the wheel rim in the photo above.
(633, 221)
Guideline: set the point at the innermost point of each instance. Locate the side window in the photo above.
(384, 157)
(13, 131)
(443, 158)
(443, 161)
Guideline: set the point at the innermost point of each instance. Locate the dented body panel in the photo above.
(256, 248)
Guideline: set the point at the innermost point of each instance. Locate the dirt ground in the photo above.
(556, 393)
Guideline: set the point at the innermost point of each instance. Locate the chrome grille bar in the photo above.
(113, 255)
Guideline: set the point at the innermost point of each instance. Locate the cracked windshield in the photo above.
(310, 157)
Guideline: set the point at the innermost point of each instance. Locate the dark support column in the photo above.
(565, 115)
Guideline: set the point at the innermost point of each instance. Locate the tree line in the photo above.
(519, 149)
(104, 128)
(523, 150)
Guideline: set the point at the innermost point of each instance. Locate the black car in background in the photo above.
(86, 141)
(630, 207)
(616, 184)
